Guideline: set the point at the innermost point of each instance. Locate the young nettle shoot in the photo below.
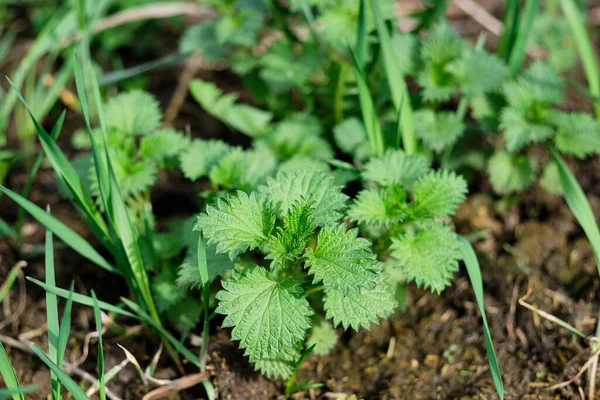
(294, 257)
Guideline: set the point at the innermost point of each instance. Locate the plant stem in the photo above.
(205, 325)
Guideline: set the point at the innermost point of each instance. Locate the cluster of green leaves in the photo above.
(530, 116)
(290, 246)
(406, 202)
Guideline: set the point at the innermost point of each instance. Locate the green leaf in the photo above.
(300, 134)
(438, 130)
(241, 117)
(577, 134)
(313, 185)
(201, 156)
(163, 144)
(342, 260)
(217, 264)
(358, 310)
(351, 138)
(470, 258)
(479, 72)
(9, 375)
(518, 131)
(379, 207)
(133, 113)
(395, 167)
(510, 173)
(51, 310)
(67, 382)
(430, 257)
(11, 393)
(323, 336)
(290, 240)
(238, 223)
(243, 169)
(578, 204)
(550, 179)
(438, 194)
(266, 315)
(66, 234)
(202, 39)
(280, 364)
(98, 320)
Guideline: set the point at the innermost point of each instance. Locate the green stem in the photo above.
(205, 325)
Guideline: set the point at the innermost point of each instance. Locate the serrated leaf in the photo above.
(358, 310)
(342, 260)
(395, 167)
(267, 316)
(479, 72)
(163, 144)
(438, 130)
(202, 39)
(510, 173)
(577, 133)
(164, 290)
(135, 112)
(299, 135)
(430, 257)
(280, 364)
(378, 207)
(323, 336)
(438, 194)
(238, 223)
(313, 185)
(243, 169)
(291, 239)
(201, 156)
(519, 131)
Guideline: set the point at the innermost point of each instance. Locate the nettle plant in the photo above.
(295, 255)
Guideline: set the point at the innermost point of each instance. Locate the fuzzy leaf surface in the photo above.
(266, 315)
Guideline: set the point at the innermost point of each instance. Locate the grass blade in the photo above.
(120, 75)
(518, 51)
(67, 382)
(52, 312)
(98, 319)
(82, 299)
(395, 78)
(362, 40)
(66, 234)
(584, 46)
(9, 375)
(65, 327)
(474, 271)
(9, 393)
(166, 335)
(36, 166)
(511, 28)
(578, 203)
(367, 108)
(9, 281)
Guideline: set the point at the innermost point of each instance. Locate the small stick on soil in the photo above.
(510, 319)
(585, 367)
(592, 378)
(176, 386)
(189, 71)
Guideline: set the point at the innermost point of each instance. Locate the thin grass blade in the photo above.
(65, 326)
(474, 270)
(9, 393)
(82, 299)
(113, 77)
(584, 46)
(9, 375)
(578, 203)
(98, 319)
(395, 78)
(372, 126)
(66, 234)
(362, 40)
(174, 342)
(52, 312)
(511, 28)
(9, 281)
(67, 382)
(518, 51)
